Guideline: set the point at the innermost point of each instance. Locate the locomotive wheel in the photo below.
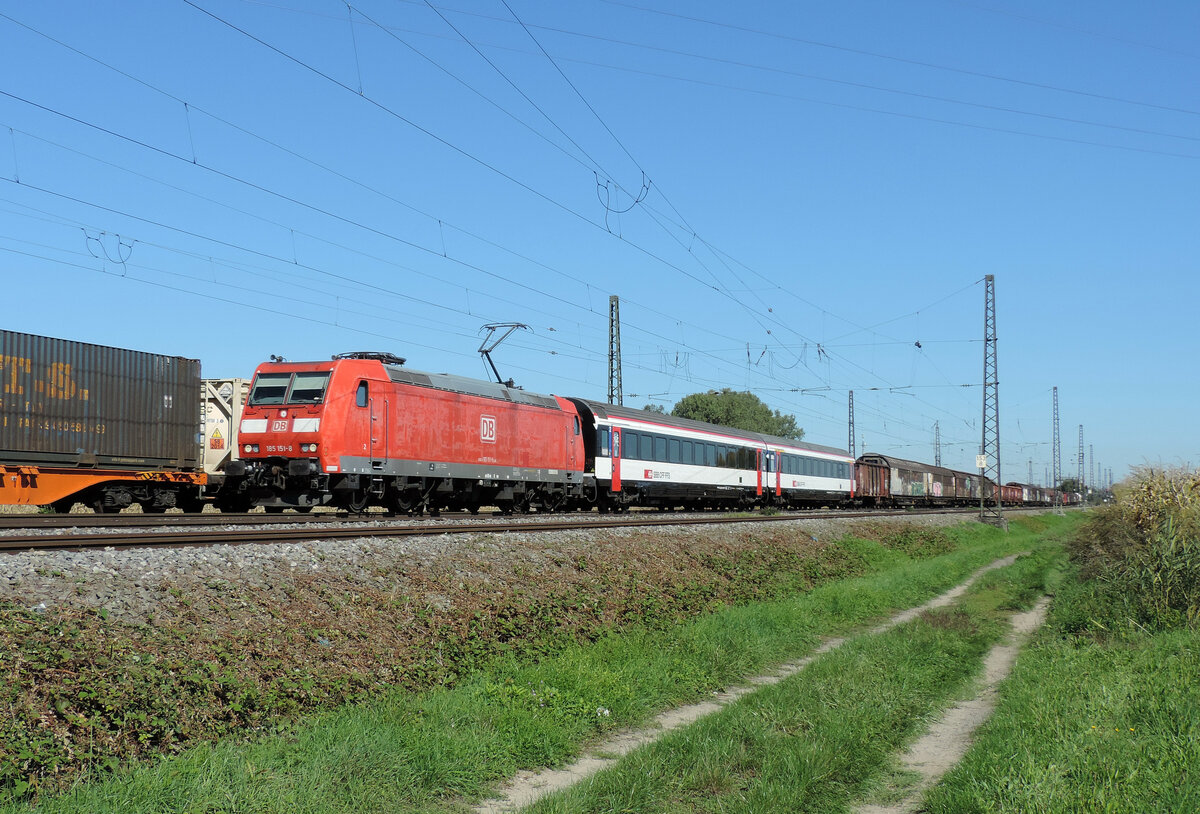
(358, 503)
(402, 502)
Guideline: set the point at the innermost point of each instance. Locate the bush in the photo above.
(1145, 551)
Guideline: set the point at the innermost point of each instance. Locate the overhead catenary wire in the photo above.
(442, 253)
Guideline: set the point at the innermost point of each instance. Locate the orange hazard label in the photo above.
(216, 440)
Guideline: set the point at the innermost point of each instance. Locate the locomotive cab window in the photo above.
(360, 396)
(308, 388)
(270, 388)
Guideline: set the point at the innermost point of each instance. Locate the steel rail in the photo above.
(248, 536)
(145, 519)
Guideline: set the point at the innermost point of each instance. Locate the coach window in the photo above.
(685, 452)
(660, 449)
(360, 397)
(602, 438)
(673, 452)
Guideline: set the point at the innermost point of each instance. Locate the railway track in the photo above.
(143, 520)
(298, 528)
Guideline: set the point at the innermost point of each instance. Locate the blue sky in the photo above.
(786, 196)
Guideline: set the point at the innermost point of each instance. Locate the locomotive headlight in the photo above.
(308, 447)
(250, 448)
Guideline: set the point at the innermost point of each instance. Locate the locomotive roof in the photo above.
(470, 387)
(603, 410)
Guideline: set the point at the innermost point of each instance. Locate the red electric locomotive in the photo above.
(362, 430)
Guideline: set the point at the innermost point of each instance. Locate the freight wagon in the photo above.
(884, 480)
(107, 427)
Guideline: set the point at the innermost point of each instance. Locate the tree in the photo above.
(654, 408)
(1069, 485)
(743, 411)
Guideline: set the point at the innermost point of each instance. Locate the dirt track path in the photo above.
(528, 787)
(937, 752)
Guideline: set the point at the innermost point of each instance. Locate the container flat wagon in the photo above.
(103, 426)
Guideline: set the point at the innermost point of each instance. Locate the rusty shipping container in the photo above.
(74, 403)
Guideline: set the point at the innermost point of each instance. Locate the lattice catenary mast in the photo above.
(937, 444)
(1056, 457)
(1079, 484)
(990, 448)
(851, 439)
(616, 393)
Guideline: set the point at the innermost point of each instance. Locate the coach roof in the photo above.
(602, 410)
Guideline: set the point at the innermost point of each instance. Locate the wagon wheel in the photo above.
(100, 507)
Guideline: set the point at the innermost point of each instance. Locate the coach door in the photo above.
(616, 459)
(759, 463)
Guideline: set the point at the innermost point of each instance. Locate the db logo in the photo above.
(487, 429)
(279, 426)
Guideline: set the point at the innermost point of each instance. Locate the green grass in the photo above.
(408, 752)
(1088, 723)
(816, 741)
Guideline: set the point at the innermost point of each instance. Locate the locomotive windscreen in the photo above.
(289, 388)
